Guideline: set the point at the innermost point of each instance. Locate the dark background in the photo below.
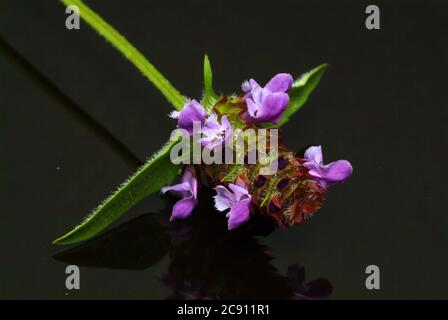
(381, 105)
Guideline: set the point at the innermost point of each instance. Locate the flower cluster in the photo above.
(258, 105)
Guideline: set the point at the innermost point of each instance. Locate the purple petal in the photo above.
(182, 190)
(253, 84)
(238, 191)
(174, 114)
(332, 173)
(273, 107)
(245, 86)
(191, 112)
(282, 82)
(223, 199)
(215, 134)
(314, 153)
(212, 122)
(249, 87)
(258, 94)
(191, 179)
(252, 108)
(239, 214)
(183, 208)
(337, 171)
(225, 124)
(187, 190)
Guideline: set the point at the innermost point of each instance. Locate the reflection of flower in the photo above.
(188, 191)
(329, 174)
(267, 104)
(205, 261)
(237, 200)
(208, 262)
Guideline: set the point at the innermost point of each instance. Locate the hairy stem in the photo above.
(129, 51)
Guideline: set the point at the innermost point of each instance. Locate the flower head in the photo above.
(267, 104)
(215, 134)
(191, 112)
(188, 191)
(329, 174)
(237, 199)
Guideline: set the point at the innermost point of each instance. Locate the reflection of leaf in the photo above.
(137, 244)
(315, 289)
(156, 173)
(130, 52)
(301, 90)
(205, 259)
(209, 94)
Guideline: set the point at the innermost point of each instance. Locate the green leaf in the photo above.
(130, 52)
(210, 96)
(156, 173)
(301, 90)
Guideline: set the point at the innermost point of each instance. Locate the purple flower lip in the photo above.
(267, 104)
(237, 199)
(187, 190)
(215, 134)
(190, 113)
(329, 174)
(193, 118)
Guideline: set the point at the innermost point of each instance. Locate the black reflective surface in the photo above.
(381, 105)
(205, 261)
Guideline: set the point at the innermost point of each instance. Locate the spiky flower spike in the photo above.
(289, 194)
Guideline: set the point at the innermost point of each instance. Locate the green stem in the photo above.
(130, 52)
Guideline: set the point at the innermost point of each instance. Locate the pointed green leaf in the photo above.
(210, 96)
(129, 51)
(301, 90)
(156, 173)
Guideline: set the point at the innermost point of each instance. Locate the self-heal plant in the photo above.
(288, 195)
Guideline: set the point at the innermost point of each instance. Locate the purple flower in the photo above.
(237, 199)
(267, 104)
(191, 112)
(329, 174)
(188, 191)
(215, 134)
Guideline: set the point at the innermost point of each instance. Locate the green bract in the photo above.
(210, 96)
(300, 91)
